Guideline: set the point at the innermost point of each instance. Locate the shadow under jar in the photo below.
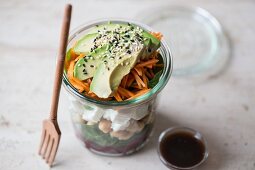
(121, 127)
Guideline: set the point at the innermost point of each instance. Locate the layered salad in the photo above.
(113, 62)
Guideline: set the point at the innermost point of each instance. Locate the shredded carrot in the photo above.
(138, 70)
(145, 80)
(147, 63)
(124, 81)
(149, 66)
(154, 55)
(138, 79)
(117, 97)
(79, 57)
(123, 94)
(89, 81)
(141, 92)
(77, 86)
(159, 65)
(130, 80)
(136, 86)
(129, 93)
(158, 35)
(82, 84)
(70, 69)
(148, 74)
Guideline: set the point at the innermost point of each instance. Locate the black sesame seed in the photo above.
(128, 51)
(127, 36)
(149, 50)
(108, 68)
(97, 25)
(120, 58)
(85, 60)
(84, 70)
(92, 66)
(105, 61)
(129, 24)
(83, 65)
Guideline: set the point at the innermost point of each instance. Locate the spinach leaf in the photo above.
(153, 82)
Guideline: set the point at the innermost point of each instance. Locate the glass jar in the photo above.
(115, 128)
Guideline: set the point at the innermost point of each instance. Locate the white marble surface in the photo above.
(221, 107)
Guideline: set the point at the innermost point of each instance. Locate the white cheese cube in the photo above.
(116, 126)
(120, 121)
(93, 115)
(110, 114)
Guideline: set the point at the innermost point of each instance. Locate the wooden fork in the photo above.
(51, 132)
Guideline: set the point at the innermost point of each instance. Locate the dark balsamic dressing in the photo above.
(182, 149)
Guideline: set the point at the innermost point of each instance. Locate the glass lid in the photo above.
(196, 39)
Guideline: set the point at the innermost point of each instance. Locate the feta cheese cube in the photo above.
(93, 115)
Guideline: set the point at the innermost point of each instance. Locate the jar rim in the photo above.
(167, 71)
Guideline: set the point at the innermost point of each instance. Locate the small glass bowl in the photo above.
(178, 129)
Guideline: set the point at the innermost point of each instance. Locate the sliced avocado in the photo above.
(107, 79)
(85, 44)
(100, 79)
(106, 26)
(85, 67)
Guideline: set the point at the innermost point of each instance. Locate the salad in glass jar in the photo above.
(113, 73)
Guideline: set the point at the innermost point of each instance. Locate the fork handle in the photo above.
(60, 61)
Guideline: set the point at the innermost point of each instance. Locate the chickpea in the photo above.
(105, 125)
(121, 134)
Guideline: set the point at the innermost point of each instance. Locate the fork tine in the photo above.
(49, 149)
(42, 141)
(45, 145)
(54, 151)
